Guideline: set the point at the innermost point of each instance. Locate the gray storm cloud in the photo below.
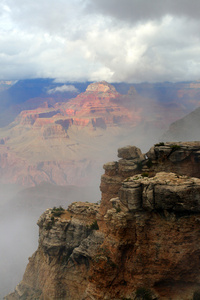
(137, 10)
(114, 40)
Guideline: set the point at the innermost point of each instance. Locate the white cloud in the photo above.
(94, 40)
(62, 89)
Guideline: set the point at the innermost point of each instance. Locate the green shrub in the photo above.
(149, 163)
(52, 220)
(145, 174)
(48, 226)
(94, 226)
(118, 209)
(127, 179)
(60, 208)
(175, 147)
(196, 295)
(57, 211)
(139, 166)
(159, 144)
(143, 294)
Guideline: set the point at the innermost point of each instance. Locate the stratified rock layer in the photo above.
(63, 142)
(144, 236)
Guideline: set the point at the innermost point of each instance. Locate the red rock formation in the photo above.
(53, 135)
(145, 241)
(85, 128)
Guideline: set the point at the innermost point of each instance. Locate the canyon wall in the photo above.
(63, 142)
(143, 240)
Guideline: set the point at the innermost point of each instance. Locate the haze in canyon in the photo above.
(79, 80)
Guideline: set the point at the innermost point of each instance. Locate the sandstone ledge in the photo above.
(165, 191)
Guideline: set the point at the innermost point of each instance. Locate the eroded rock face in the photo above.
(145, 234)
(181, 158)
(165, 191)
(67, 241)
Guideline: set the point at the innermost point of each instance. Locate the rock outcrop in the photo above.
(67, 242)
(102, 87)
(143, 239)
(180, 158)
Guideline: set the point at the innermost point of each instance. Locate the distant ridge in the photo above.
(184, 129)
(63, 141)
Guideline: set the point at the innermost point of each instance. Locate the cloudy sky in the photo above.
(113, 40)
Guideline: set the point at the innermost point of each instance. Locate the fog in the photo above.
(20, 210)
(18, 232)
(22, 207)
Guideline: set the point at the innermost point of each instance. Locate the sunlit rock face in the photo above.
(67, 142)
(62, 143)
(143, 237)
(103, 87)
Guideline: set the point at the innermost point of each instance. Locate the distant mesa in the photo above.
(132, 91)
(101, 86)
(66, 138)
(71, 137)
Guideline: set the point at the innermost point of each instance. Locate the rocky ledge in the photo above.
(142, 242)
(165, 191)
(180, 158)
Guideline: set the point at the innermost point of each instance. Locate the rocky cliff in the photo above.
(141, 242)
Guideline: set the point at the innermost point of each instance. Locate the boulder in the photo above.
(129, 152)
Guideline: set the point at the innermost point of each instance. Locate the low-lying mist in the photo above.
(21, 208)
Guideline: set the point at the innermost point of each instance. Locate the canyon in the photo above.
(140, 242)
(66, 142)
(53, 151)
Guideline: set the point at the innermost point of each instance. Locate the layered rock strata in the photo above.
(67, 138)
(180, 158)
(143, 239)
(59, 268)
(62, 142)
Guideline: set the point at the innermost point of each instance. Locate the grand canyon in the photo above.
(99, 150)
(52, 149)
(141, 242)
(64, 142)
